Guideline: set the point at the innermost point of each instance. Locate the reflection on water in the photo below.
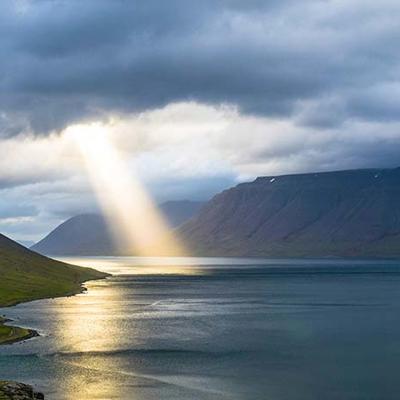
(84, 327)
(84, 322)
(159, 265)
(232, 329)
(138, 265)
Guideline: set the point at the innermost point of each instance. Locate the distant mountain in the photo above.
(179, 211)
(26, 275)
(85, 234)
(88, 234)
(344, 213)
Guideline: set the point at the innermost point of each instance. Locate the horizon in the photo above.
(28, 242)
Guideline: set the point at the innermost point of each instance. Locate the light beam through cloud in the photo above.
(137, 225)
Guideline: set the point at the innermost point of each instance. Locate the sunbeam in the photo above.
(134, 219)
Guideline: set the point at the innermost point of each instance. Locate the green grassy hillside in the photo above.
(26, 275)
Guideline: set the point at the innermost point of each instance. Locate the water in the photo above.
(217, 329)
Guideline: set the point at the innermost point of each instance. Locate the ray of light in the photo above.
(135, 220)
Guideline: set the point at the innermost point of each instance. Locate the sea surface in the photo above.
(216, 328)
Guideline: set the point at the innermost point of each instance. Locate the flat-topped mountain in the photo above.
(88, 234)
(343, 213)
(26, 275)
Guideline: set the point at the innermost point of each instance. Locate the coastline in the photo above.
(81, 289)
(10, 334)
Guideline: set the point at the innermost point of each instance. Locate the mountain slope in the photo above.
(88, 234)
(179, 211)
(85, 234)
(26, 275)
(343, 213)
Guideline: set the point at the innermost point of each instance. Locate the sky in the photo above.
(196, 96)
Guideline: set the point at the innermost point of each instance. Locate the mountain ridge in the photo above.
(349, 213)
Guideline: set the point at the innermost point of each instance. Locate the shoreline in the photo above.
(11, 334)
(77, 290)
(82, 289)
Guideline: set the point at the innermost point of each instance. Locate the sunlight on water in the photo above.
(160, 265)
(138, 265)
(87, 326)
(85, 323)
(234, 329)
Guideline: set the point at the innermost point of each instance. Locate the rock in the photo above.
(19, 391)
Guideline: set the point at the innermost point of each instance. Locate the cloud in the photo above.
(190, 141)
(197, 95)
(68, 61)
(10, 211)
(183, 150)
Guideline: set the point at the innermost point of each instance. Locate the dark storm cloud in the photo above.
(66, 61)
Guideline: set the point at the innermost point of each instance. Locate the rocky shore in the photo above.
(18, 391)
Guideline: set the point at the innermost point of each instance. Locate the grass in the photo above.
(12, 334)
(27, 276)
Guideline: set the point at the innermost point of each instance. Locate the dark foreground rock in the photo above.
(18, 391)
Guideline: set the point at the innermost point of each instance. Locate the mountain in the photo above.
(85, 234)
(88, 234)
(26, 275)
(352, 213)
(179, 211)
